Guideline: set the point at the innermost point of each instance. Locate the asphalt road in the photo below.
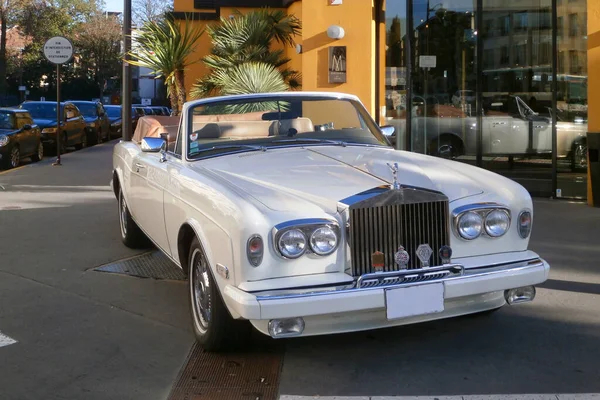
(81, 334)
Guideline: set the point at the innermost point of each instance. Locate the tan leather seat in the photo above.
(300, 125)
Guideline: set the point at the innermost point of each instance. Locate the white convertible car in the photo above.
(290, 212)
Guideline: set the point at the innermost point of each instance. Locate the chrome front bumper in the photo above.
(348, 298)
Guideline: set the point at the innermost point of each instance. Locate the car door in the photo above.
(25, 137)
(146, 196)
(103, 121)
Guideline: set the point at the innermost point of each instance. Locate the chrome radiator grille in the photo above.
(387, 226)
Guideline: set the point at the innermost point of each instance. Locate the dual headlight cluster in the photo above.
(493, 221)
(294, 239)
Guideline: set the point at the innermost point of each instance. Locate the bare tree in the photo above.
(98, 40)
(150, 10)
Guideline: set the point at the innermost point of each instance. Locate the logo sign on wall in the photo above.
(337, 64)
(58, 50)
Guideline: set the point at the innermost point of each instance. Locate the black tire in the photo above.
(131, 234)
(39, 153)
(579, 157)
(215, 329)
(13, 158)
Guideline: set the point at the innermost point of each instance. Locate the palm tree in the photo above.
(246, 39)
(164, 46)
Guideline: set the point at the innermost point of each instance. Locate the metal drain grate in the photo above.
(229, 376)
(149, 265)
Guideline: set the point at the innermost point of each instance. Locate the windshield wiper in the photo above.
(231, 147)
(311, 140)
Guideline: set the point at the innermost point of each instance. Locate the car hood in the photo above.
(285, 179)
(90, 119)
(7, 131)
(44, 123)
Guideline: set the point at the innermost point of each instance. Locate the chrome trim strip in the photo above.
(479, 272)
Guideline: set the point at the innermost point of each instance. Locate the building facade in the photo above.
(501, 84)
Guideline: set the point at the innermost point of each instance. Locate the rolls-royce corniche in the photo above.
(292, 213)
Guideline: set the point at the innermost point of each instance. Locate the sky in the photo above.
(114, 5)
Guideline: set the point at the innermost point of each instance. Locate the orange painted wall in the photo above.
(355, 17)
(593, 26)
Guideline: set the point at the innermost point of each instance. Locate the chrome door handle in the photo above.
(139, 165)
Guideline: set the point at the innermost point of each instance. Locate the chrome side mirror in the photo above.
(153, 145)
(388, 130)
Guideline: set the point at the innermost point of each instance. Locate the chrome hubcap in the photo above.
(200, 287)
(446, 151)
(581, 157)
(14, 157)
(123, 216)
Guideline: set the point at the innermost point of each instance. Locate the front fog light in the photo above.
(279, 328)
(520, 295)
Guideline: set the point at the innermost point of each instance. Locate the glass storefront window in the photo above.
(486, 97)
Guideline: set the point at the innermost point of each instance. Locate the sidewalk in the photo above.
(79, 333)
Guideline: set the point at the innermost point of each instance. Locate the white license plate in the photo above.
(414, 300)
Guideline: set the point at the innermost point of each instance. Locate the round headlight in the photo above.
(470, 225)
(524, 224)
(292, 244)
(323, 241)
(4, 140)
(497, 223)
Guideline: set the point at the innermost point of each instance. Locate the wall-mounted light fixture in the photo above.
(298, 48)
(335, 2)
(335, 32)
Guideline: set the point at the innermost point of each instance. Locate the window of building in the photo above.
(573, 25)
(560, 26)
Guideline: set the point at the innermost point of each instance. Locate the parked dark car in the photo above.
(72, 125)
(19, 138)
(115, 118)
(96, 120)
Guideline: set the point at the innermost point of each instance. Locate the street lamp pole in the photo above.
(126, 78)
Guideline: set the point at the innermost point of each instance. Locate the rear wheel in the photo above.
(213, 326)
(39, 154)
(579, 157)
(446, 146)
(131, 234)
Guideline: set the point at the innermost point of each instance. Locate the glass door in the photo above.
(443, 80)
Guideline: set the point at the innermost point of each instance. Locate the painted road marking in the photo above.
(558, 396)
(13, 169)
(6, 340)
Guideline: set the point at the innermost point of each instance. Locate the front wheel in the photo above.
(131, 234)
(84, 142)
(213, 326)
(14, 158)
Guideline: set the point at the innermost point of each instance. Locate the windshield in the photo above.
(7, 120)
(87, 109)
(41, 110)
(268, 122)
(113, 112)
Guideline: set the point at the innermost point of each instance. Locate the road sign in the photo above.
(427, 61)
(58, 50)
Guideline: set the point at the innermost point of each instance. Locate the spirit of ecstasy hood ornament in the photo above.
(394, 167)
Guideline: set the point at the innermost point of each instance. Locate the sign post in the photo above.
(58, 50)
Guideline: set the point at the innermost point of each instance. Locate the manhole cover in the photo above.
(251, 375)
(149, 265)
